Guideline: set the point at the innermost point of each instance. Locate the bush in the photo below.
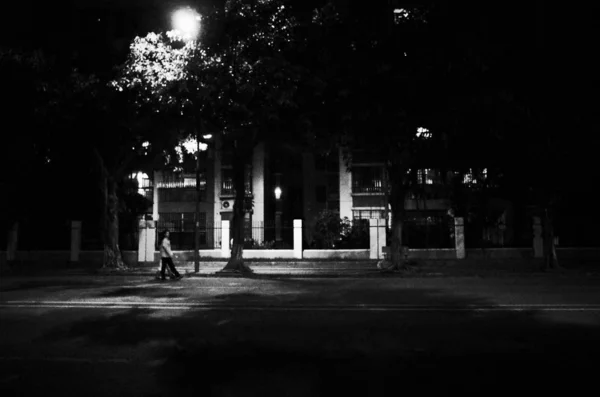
(357, 234)
(333, 232)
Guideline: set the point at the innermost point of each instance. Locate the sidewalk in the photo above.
(355, 269)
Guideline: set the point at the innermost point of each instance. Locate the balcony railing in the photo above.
(374, 186)
(227, 188)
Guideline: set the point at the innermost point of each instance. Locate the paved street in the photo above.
(130, 335)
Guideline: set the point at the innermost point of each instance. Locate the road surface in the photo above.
(297, 337)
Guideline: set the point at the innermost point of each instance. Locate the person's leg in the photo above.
(172, 267)
(163, 266)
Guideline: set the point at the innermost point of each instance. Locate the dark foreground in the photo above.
(114, 336)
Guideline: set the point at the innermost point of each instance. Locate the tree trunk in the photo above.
(550, 258)
(113, 259)
(236, 261)
(197, 214)
(397, 196)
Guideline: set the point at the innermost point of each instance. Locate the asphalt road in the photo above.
(297, 337)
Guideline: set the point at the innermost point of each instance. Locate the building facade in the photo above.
(287, 184)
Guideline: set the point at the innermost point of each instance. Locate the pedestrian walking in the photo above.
(166, 257)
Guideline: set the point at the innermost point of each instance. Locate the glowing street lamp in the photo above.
(186, 22)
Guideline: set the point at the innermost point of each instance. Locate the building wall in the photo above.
(346, 202)
(258, 183)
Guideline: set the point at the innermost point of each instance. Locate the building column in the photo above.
(538, 242)
(278, 209)
(345, 189)
(75, 240)
(459, 237)
(158, 178)
(258, 188)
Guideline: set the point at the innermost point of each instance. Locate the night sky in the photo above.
(94, 35)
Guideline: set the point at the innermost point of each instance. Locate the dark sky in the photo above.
(96, 32)
(99, 31)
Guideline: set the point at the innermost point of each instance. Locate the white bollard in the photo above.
(225, 248)
(298, 238)
(459, 238)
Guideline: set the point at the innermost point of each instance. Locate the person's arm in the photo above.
(167, 247)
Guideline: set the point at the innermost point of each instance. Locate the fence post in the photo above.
(142, 238)
(298, 238)
(538, 243)
(13, 242)
(459, 237)
(225, 239)
(75, 240)
(382, 233)
(150, 240)
(374, 238)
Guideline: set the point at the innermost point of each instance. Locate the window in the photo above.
(428, 176)
(227, 182)
(321, 193)
(227, 187)
(474, 176)
(367, 179)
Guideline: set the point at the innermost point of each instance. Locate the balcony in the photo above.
(227, 189)
(367, 180)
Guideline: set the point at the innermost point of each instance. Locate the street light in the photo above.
(186, 22)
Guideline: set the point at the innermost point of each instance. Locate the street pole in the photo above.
(197, 217)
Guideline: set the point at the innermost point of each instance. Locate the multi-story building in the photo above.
(286, 184)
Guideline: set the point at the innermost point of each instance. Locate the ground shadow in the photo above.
(139, 291)
(51, 283)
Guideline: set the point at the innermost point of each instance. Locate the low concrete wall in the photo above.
(500, 253)
(62, 258)
(441, 253)
(269, 254)
(432, 253)
(591, 253)
(354, 254)
(95, 258)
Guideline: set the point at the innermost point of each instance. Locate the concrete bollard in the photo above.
(538, 241)
(298, 238)
(225, 247)
(75, 240)
(459, 237)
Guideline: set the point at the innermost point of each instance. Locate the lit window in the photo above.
(367, 180)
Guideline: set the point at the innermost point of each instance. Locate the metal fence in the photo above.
(577, 231)
(428, 232)
(518, 234)
(44, 235)
(91, 235)
(338, 234)
(182, 231)
(267, 235)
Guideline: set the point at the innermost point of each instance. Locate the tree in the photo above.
(24, 81)
(238, 81)
(406, 86)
